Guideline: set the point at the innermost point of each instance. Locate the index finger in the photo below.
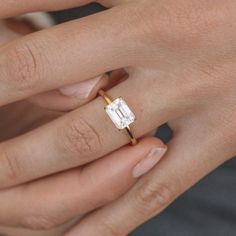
(65, 54)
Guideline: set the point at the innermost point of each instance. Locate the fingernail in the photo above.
(149, 162)
(81, 90)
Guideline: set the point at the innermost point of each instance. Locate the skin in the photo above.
(38, 205)
(180, 56)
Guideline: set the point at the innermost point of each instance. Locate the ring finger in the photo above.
(85, 134)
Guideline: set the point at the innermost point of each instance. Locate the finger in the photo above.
(43, 63)
(86, 134)
(77, 191)
(31, 118)
(184, 165)
(76, 95)
(13, 8)
(71, 96)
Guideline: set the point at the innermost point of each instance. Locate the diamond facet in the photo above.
(120, 113)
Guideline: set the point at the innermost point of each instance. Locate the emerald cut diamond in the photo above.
(120, 113)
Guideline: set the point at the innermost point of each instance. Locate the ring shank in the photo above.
(108, 100)
(132, 138)
(105, 96)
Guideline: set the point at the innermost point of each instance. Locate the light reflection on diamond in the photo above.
(120, 113)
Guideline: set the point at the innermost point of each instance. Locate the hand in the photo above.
(187, 60)
(38, 204)
(181, 60)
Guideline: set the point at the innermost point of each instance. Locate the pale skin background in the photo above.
(184, 47)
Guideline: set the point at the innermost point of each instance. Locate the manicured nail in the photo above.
(81, 90)
(149, 162)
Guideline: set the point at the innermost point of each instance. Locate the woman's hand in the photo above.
(180, 57)
(51, 201)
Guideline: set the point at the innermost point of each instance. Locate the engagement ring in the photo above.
(120, 114)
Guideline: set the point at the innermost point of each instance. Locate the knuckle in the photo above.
(23, 66)
(151, 198)
(80, 138)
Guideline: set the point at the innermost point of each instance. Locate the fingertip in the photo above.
(115, 171)
(151, 142)
(73, 96)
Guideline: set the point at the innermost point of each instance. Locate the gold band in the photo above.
(130, 133)
(109, 100)
(105, 96)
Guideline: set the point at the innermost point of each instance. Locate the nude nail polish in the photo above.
(81, 90)
(149, 162)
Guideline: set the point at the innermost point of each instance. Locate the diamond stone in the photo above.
(120, 113)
